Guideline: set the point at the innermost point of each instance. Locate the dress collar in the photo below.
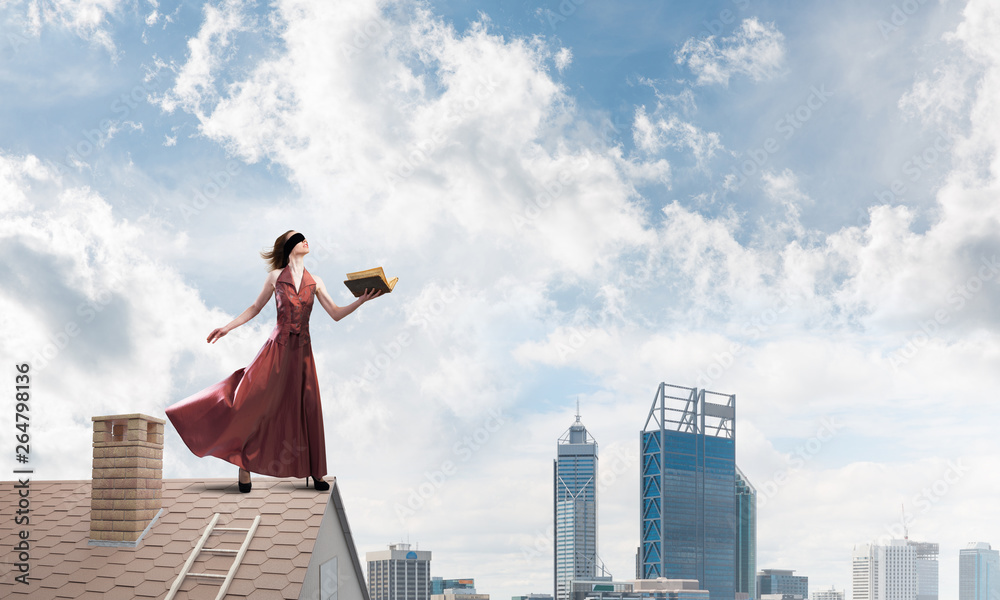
(286, 277)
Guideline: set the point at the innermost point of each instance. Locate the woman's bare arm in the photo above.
(252, 311)
(339, 312)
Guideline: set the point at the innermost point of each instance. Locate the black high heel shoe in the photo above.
(244, 487)
(320, 485)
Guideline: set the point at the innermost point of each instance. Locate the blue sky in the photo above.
(795, 203)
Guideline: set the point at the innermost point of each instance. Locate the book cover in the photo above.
(369, 279)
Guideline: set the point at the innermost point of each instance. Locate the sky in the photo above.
(795, 203)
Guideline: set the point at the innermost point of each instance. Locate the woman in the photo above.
(267, 417)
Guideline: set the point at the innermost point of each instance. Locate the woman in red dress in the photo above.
(266, 418)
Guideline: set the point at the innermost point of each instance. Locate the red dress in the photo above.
(266, 417)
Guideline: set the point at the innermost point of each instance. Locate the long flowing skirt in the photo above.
(265, 418)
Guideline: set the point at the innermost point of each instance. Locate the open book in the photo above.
(372, 279)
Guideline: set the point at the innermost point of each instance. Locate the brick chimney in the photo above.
(127, 489)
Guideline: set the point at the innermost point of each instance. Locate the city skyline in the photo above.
(792, 202)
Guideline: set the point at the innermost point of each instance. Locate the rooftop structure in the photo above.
(281, 540)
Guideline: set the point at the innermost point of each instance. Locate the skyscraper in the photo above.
(886, 572)
(746, 536)
(687, 500)
(399, 573)
(978, 572)
(926, 566)
(575, 508)
(864, 572)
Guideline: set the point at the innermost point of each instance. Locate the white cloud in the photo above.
(195, 82)
(465, 134)
(15, 176)
(655, 171)
(653, 135)
(563, 58)
(644, 133)
(756, 50)
(940, 96)
(783, 189)
(682, 101)
(85, 18)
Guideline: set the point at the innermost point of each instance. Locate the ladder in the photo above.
(200, 547)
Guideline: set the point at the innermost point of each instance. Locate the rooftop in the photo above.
(63, 564)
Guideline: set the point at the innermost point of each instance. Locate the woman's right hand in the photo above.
(251, 311)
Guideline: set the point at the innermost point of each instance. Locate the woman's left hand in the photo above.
(368, 295)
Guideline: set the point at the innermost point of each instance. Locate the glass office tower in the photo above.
(926, 565)
(575, 508)
(978, 572)
(782, 581)
(687, 499)
(440, 584)
(746, 536)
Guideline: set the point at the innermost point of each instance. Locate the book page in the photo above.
(376, 272)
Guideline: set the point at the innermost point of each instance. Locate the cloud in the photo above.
(756, 50)
(654, 171)
(783, 190)
(563, 58)
(652, 135)
(16, 173)
(461, 133)
(938, 96)
(195, 80)
(87, 19)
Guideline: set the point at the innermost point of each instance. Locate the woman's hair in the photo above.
(275, 257)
